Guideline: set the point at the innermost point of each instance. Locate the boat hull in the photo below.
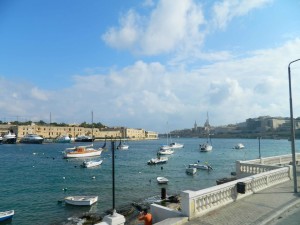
(81, 200)
(9, 140)
(7, 215)
(81, 155)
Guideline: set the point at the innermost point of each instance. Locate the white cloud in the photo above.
(147, 95)
(225, 11)
(172, 25)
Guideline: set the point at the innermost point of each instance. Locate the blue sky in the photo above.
(143, 64)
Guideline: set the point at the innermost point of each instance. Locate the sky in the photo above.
(159, 65)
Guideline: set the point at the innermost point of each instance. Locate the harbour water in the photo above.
(34, 178)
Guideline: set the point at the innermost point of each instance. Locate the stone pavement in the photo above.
(276, 205)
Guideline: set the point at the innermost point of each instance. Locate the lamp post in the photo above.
(259, 154)
(113, 175)
(292, 129)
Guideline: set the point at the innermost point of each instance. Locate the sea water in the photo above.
(35, 177)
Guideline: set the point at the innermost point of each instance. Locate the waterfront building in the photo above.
(47, 131)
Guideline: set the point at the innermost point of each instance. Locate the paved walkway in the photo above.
(278, 205)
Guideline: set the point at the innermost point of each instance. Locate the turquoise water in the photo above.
(33, 176)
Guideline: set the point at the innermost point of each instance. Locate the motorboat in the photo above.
(191, 170)
(122, 146)
(162, 180)
(81, 200)
(200, 166)
(206, 147)
(158, 160)
(63, 139)
(176, 145)
(84, 138)
(32, 139)
(92, 163)
(165, 150)
(6, 215)
(9, 138)
(82, 151)
(239, 146)
(164, 147)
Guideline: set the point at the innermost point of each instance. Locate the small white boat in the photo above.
(191, 170)
(200, 166)
(82, 151)
(158, 160)
(165, 151)
(206, 147)
(162, 180)
(81, 200)
(176, 145)
(92, 163)
(239, 146)
(6, 215)
(122, 146)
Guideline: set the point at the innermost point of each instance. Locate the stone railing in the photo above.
(255, 175)
(197, 203)
(256, 166)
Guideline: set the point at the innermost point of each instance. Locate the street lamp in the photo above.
(292, 130)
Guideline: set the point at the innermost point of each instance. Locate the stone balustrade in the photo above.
(255, 175)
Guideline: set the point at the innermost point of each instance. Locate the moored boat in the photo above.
(176, 145)
(1, 140)
(158, 160)
(92, 163)
(84, 138)
(63, 139)
(9, 138)
(206, 147)
(162, 180)
(165, 151)
(32, 139)
(191, 170)
(6, 215)
(122, 146)
(239, 146)
(81, 200)
(200, 166)
(82, 151)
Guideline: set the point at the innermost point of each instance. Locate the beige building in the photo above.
(74, 131)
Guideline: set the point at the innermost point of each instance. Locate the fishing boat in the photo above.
(122, 146)
(6, 215)
(158, 160)
(92, 163)
(81, 200)
(82, 151)
(239, 146)
(162, 180)
(191, 170)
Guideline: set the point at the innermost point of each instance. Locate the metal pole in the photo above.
(259, 147)
(113, 175)
(292, 129)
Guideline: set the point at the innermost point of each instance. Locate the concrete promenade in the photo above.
(276, 205)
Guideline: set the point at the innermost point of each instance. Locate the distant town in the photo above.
(263, 126)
